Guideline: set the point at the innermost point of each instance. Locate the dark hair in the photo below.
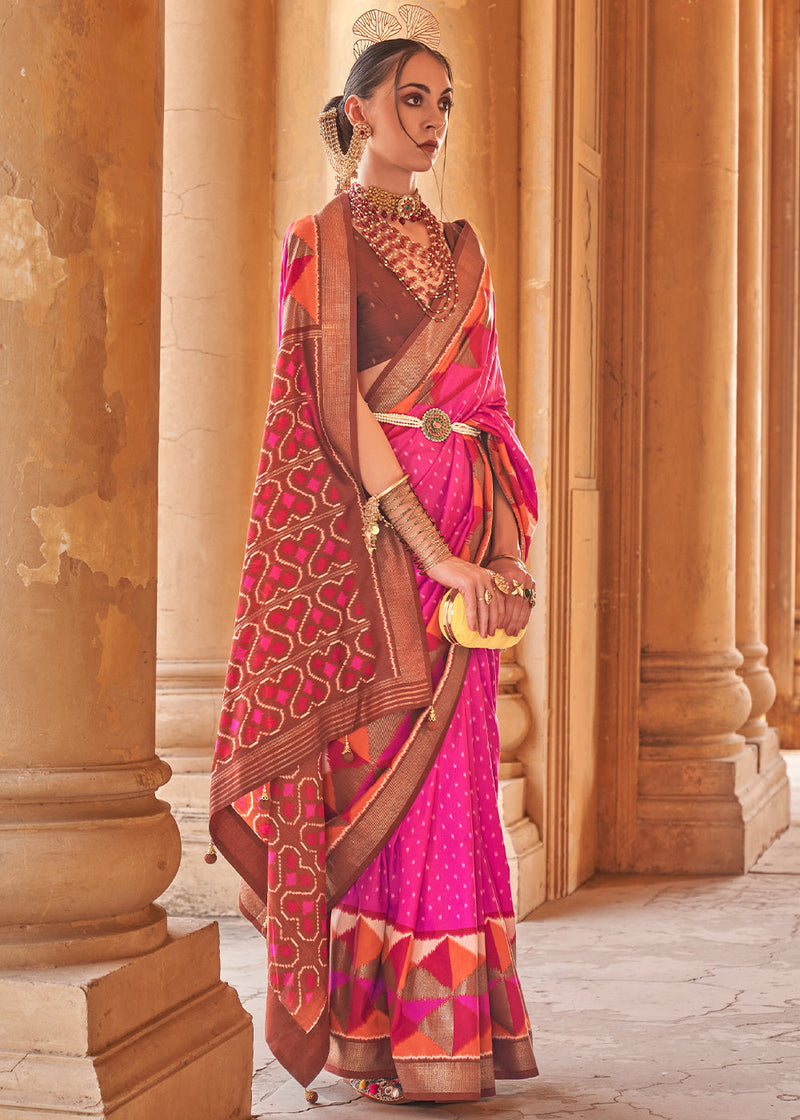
(370, 70)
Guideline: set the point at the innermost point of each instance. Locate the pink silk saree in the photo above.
(385, 861)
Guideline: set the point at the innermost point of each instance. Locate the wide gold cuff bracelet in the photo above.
(401, 507)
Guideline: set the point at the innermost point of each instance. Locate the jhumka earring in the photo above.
(344, 164)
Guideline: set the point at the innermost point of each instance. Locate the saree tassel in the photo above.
(312, 1096)
(347, 750)
(211, 854)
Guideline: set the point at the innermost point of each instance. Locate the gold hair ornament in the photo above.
(376, 26)
(344, 164)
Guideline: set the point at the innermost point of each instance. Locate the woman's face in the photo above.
(409, 124)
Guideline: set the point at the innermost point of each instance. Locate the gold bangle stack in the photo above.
(402, 509)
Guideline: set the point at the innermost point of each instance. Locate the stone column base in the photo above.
(710, 817)
(152, 1036)
(199, 889)
(524, 849)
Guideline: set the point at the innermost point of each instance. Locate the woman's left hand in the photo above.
(513, 611)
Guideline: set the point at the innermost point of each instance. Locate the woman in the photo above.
(355, 776)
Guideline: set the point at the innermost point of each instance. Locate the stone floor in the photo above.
(670, 999)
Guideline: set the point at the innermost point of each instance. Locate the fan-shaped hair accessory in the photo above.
(375, 26)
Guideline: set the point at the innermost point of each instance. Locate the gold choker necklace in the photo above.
(401, 206)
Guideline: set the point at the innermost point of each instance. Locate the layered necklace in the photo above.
(428, 273)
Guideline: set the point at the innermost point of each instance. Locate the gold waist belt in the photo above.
(435, 423)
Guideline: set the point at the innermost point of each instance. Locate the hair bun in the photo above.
(334, 102)
(344, 128)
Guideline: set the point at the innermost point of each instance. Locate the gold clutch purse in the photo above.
(453, 621)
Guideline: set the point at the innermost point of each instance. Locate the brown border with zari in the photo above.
(356, 1058)
(444, 1078)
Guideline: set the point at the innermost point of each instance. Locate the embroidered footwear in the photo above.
(388, 1090)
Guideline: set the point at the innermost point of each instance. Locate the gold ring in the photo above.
(500, 582)
(518, 588)
(487, 597)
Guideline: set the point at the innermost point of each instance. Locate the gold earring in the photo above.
(344, 164)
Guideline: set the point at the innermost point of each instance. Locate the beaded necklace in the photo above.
(429, 274)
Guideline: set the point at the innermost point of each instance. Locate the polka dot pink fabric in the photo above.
(423, 983)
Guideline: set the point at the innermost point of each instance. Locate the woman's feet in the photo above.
(388, 1090)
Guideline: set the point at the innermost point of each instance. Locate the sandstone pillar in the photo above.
(562, 193)
(86, 846)
(792, 740)
(702, 805)
(304, 45)
(537, 224)
(784, 294)
(751, 261)
(623, 373)
(217, 349)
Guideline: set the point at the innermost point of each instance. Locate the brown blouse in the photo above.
(386, 312)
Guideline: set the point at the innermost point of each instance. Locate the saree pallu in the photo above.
(341, 691)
